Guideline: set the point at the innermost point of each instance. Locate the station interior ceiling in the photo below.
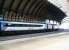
(30, 10)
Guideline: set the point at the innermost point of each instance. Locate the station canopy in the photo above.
(30, 10)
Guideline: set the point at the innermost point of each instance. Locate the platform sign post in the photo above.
(0, 26)
(1, 19)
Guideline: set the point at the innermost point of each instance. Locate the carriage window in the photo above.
(23, 25)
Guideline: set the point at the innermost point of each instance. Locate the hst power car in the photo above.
(20, 26)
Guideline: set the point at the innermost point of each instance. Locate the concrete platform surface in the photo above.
(55, 42)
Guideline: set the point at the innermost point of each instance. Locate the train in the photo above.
(24, 27)
(20, 26)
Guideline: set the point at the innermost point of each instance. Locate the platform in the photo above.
(56, 41)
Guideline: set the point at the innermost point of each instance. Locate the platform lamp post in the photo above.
(46, 25)
(3, 14)
(52, 26)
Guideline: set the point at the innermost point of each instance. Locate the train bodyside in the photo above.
(17, 26)
(8, 27)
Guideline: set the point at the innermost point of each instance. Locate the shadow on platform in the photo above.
(10, 33)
